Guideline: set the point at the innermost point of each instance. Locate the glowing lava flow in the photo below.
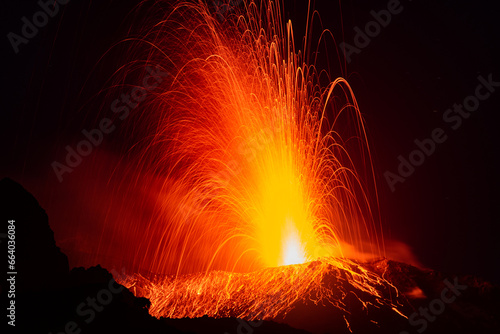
(269, 293)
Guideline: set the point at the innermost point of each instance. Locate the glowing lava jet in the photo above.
(251, 164)
(250, 159)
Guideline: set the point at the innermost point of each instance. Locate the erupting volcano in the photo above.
(253, 164)
(225, 179)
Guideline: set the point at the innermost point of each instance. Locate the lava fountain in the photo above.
(251, 164)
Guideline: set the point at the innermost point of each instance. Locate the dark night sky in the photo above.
(427, 59)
